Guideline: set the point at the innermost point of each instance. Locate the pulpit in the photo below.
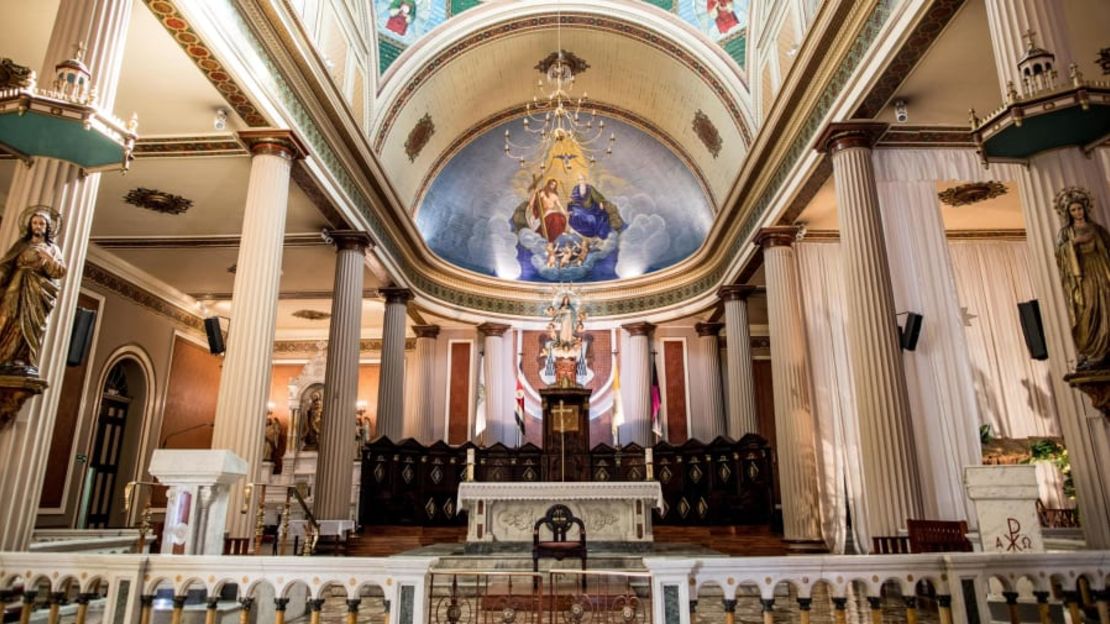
(566, 433)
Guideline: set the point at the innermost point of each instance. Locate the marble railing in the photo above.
(952, 588)
(91, 541)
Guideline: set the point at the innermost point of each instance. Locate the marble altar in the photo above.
(1005, 500)
(611, 511)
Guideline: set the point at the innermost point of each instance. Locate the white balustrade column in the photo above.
(241, 406)
(890, 478)
(636, 386)
(711, 422)
(1014, 24)
(391, 384)
(500, 424)
(332, 499)
(420, 423)
(101, 25)
(742, 417)
(795, 422)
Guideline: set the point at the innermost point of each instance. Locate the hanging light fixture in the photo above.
(559, 128)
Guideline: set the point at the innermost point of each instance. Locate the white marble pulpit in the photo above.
(612, 512)
(196, 505)
(1005, 500)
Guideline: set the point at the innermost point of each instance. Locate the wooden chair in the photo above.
(931, 536)
(1052, 518)
(559, 521)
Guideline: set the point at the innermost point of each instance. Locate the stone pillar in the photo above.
(240, 423)
(636, 386)
(890, 479)
(102, 26)
(793, 387)
(742, 417)
(1086, 431)
(332, 499)
(500, 425)
(420, 423)
(391, 384)
(711, 423)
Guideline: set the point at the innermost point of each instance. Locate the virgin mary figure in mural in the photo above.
(401, 15)
(723, 14)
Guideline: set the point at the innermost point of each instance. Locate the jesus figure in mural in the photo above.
(547, 211)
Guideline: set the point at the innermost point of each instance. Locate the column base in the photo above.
(806, 547)
(1095, 383)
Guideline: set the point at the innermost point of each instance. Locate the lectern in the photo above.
(566, 433)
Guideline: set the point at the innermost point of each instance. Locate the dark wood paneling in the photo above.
(458, 401)
(65, 425)
(764, 399)
(674, 367)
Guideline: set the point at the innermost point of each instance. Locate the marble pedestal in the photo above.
(1005, 500)
(504, 513)
(197, 501)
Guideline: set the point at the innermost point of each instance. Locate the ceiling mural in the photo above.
(634, 212)
(400, 23)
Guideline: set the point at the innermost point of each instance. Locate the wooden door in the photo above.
(107, 448)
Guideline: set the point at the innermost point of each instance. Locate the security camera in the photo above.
(901, 113)
(220, 121)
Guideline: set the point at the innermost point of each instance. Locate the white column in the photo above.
(711, 423)
(1086, 431)
(890, 478)
(391, 382)
(102, 26)
(332, 499)
(420, 422)
(636, 386)
(240, 422)
(742, 417)
(499, 420)
(795, 442)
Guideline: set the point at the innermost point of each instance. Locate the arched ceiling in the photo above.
(646, 67)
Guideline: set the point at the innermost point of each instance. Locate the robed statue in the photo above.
(1084, 261)
(30, 277)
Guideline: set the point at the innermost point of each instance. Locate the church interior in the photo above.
(577, 311)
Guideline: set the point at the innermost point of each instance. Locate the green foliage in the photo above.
(1048, 450)
(985, 435)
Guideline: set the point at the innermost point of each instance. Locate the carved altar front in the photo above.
(612, 512)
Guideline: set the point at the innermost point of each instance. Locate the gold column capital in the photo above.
(843, 135)
(274, 142)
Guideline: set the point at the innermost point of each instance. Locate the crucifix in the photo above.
(1028, 36)
(563, 415)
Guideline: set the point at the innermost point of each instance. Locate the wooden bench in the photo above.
(931, 536)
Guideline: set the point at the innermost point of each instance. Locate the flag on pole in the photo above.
(618, 406)
(656, 401)
(480, 409)
(519, 412)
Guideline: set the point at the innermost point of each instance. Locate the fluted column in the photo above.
(711, 422)
(742, 418)
(332, 499)
(245, 376)
(1086, 431)
(420, 423)
(102, 26)
(793, 387)
(890, 478)
(636, 385)
(391, 382)
(499, 422)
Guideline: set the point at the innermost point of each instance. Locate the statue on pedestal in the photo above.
(30, 276)
(1084, 261)
(565, 346)
(313, 418)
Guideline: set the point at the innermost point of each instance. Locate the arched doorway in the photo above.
(115, 443)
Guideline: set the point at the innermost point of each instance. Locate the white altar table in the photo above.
(612, 512)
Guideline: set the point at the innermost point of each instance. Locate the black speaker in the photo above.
(215, 335)
(912, 331)
(1029, 312)
(81, 336)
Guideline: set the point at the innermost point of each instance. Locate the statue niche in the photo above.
(312, 416)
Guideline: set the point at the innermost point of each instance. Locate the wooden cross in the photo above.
(1028, 36)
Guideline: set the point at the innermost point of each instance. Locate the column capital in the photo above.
(426, 331)
(845, 134)
(777, 236)
(393, 294)
(274, 142)
(493, 329)
(736, 292)
(708, 329)
(350, 239)
(643, 328)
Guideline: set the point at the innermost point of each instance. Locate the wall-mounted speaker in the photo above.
(215, 335)
(1029, 312)
(81, 336)
(912, 331)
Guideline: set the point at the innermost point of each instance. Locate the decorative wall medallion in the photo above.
(419, 136)
(158, 201)
(311, 315)
(972, 193)
(708, 133)
(576, 64)
(13, 75)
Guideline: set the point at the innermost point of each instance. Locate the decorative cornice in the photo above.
(844, 135)
(736, 292)
(493, 329)
(311, 346)
(708, 329)
(822, 236)
(140, 296)
(426, 331)
(190, 242)
(926, 136)
(395, 295)
(643, 328)
(274, 142)
(187, 146)
(777, 236)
